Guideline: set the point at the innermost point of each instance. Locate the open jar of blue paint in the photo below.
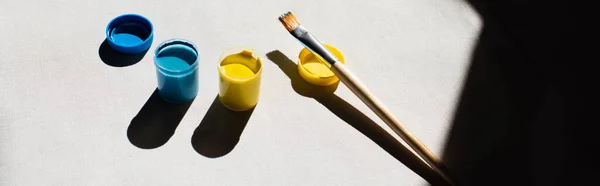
(176, 62)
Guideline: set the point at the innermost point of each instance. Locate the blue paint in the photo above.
(176, 57)
(130, 34)
(176, 63)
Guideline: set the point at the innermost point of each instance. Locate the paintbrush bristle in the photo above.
(289, 21)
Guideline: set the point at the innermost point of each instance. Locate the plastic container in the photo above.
(317, 72)
(130, 34)
(176, 62)
(239, 83)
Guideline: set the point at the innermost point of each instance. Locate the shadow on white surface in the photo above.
(113, 58)
(354, 118)
(521, 118)
(156, 122)
(220, 130)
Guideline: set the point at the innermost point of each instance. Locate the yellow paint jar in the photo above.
(315, 71)
(239, 83)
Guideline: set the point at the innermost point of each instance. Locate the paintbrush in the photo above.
(290, 22)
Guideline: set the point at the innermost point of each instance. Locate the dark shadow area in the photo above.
(116, 59)
(354, 118)
(220, 130)
(156, 122)
(522, 117)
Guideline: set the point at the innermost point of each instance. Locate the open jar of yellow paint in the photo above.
(239, 78)
(317, 72)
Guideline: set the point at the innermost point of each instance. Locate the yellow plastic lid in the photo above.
(315, 71)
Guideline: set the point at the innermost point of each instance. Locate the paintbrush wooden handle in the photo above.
(371, 101)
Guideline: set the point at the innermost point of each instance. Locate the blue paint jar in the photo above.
(176, 62)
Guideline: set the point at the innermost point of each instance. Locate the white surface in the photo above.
(64, 113)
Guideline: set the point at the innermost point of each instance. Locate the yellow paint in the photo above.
(238, 71)
(315, 71)
(317, 68)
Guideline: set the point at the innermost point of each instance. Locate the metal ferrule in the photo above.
(316, 47)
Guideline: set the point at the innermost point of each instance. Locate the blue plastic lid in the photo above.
(130, 34)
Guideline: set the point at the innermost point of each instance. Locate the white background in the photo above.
(64, 113)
